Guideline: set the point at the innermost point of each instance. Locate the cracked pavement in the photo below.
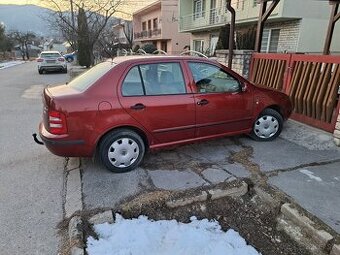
(304, 163)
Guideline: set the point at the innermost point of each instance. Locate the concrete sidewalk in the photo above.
(304, 163)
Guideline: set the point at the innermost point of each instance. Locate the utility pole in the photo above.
(73, 23)
(231, 33)
(335, 16)
(264, 14)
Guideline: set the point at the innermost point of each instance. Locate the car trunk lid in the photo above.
(54, 116)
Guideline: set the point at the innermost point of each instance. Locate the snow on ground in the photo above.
(166, 237)
(7, 64)
(311, 175)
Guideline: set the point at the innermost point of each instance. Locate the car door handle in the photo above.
(203, 102)
(138, 107)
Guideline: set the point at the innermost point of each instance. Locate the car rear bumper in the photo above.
(63, 145)
(57, 67)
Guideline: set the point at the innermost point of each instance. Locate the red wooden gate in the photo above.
(311, 81)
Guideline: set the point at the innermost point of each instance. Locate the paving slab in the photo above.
(176, 180)
(307, 136)
(215, 176)
(235, 169)
(316, 189)
(218, 150)
(103, 189)
(283, 154)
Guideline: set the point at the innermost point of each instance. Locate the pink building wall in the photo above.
(166, 13)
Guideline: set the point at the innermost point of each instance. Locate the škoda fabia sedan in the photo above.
(120, 108)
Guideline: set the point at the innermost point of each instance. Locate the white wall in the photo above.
(313, 36)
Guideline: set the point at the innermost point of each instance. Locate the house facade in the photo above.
(294, 25)
(122, 32)
(157, 23)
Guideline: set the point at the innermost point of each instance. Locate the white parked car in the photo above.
(51, 61)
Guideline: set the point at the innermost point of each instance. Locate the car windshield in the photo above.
(50, 55)
(85, 80)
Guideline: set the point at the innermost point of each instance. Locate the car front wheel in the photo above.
(267, 126)
(121, 150)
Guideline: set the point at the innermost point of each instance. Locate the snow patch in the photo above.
(167, 237)
(310, 175)
(33, 92)
(8, 64)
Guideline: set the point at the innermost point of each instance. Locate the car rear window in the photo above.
(85, 80)
(50, 55)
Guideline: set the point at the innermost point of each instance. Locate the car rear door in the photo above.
(156, 95)
(221, 105)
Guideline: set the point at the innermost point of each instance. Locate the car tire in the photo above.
(267, 126)
(65, 70)
(121, 150)
(40, 71)
(69, 60)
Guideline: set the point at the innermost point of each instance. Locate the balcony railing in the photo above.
(211, 18)
(148, 34)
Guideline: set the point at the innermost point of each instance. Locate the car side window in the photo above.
(212, 79)
(132, 84)
(163, 79)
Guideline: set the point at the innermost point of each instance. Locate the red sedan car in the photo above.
(121, 108)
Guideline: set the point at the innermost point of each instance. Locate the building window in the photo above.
(144, 26)
(155, 23)
(149, 24)
(270, 40)
(198, 45)
(199, 8)
(254, 3)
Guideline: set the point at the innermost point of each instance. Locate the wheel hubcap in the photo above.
(123, 152)
(266, 126)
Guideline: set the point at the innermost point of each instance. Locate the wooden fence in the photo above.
(311, 81)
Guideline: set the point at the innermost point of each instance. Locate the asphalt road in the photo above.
(31, 178)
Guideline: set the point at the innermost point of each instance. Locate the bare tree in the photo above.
(98, 13)
(128, 32)
(106, 41)
(23, 38)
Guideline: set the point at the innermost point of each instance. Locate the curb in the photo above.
(236, 191)
(304, 230)
(73, 204)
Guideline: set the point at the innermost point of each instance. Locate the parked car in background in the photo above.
(119, 109)
(51, 61)
(70, 57)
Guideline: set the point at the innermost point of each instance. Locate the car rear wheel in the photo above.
(69, 59)
(121, 150)
(267, 126)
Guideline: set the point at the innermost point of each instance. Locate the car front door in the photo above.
(156, 96)
(221, 105)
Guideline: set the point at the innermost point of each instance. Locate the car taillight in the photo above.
(40, 60)
(57, 123)
(61, 59)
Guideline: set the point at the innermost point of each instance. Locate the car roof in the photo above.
(50, 51)
(156, 58)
